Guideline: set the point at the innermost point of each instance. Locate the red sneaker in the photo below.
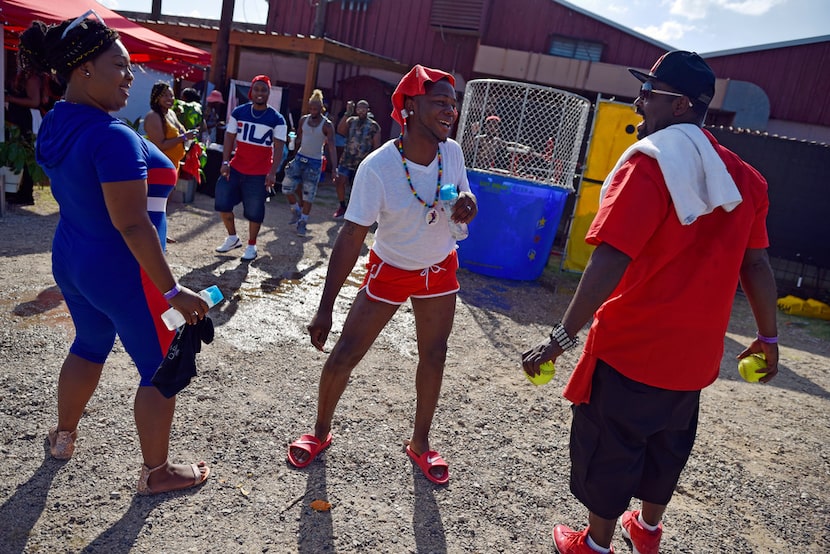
(568, 541)
(642, 540)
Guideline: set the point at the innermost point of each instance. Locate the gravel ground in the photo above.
(758, 480)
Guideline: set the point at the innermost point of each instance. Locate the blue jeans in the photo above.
(238, 187)
(347, 172)
(305, 170)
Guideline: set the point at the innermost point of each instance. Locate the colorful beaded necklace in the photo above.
(399, 144)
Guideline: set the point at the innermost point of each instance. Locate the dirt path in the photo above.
(758, 480)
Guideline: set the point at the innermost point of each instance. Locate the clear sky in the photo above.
(699, 25)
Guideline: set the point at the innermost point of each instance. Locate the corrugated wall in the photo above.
(407, 30)
(796, 78)
(395, 29)
(797, 91)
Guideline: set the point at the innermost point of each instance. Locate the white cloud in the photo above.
(699, 9)
(750, 7)
(617, 9)
(668, 31)
(691, 9)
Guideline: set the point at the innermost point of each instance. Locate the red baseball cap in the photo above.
(264, 79)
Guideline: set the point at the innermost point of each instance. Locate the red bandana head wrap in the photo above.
(264, 79)
(412, 84)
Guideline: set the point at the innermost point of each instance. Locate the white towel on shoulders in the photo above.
(695, 175)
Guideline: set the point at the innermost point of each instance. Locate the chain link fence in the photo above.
(526, 131)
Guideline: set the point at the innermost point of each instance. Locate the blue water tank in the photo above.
(512, 235)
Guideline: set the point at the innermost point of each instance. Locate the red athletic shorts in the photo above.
(385, 283)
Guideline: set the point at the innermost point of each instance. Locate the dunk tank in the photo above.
(521, 146)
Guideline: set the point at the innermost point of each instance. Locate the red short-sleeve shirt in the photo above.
(665, 322)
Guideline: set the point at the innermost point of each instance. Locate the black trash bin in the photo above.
(212, 167)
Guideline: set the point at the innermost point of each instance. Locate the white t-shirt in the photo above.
(381, 194)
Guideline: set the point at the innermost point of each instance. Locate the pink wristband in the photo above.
(767, 340)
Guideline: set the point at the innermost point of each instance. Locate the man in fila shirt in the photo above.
(257, 132)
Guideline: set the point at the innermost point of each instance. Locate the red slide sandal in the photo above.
(428, 461)
(310, 444)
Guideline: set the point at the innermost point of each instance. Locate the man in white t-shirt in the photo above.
(413, 257)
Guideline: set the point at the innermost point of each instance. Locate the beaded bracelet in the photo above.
(172, 292)
(767, 340)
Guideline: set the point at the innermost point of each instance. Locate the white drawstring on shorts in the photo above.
(431, 269)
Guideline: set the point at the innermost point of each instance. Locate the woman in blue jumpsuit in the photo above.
(108, 260)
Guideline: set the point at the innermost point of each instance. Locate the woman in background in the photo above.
(163, 127)
(112, 186)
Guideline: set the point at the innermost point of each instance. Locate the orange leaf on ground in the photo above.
(320, 506)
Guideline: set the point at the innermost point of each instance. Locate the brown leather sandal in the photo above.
(143, 486)
(62, 443)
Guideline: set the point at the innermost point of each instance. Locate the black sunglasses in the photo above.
(648, 89)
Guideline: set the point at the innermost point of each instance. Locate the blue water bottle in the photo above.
(448, 197)
(173, 319)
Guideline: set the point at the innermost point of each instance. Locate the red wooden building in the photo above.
(549, 42)
(775, 89)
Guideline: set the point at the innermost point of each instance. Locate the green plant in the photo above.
(189, 114)
(18, 151)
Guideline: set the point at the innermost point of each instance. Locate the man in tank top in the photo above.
(315, 131)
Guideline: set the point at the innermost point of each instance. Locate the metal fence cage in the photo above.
(523, 130)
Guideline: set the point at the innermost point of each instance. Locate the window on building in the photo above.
(576, 49)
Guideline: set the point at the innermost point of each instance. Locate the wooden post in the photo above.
(220, 48)
(310, 78)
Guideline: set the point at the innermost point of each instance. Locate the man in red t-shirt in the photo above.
(255, 136)
(681, 221)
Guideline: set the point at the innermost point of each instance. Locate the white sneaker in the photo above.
(229, 244)
(250, 252)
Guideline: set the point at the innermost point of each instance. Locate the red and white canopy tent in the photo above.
(145, 46)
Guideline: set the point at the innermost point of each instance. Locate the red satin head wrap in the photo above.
(264, 79)
(412, 84)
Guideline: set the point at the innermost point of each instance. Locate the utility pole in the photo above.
(319, 29)
(155, 10)
(221, 48)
